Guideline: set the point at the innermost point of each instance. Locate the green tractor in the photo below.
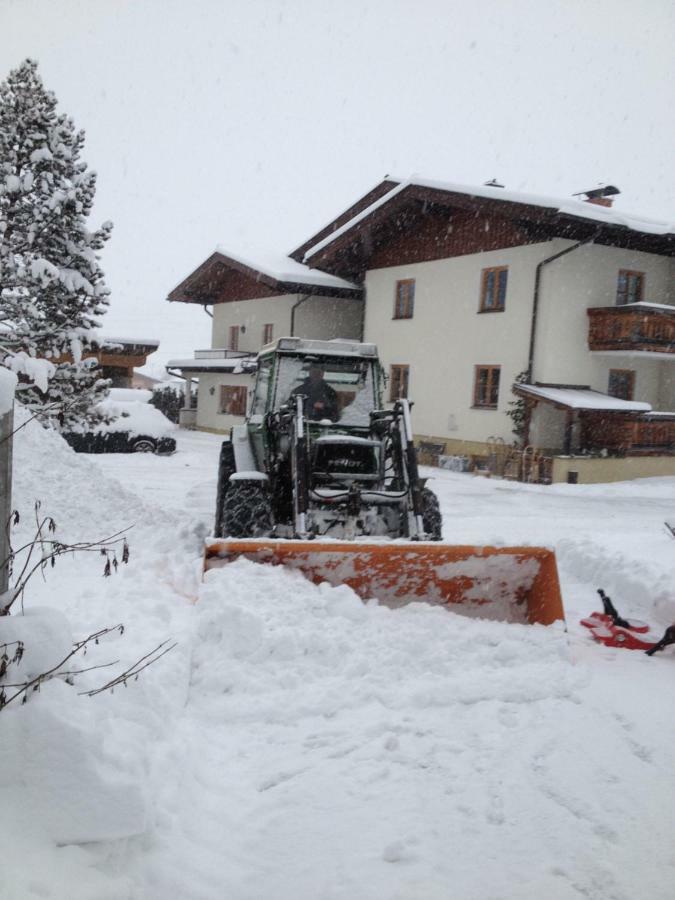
(318, 455)
(322, 480)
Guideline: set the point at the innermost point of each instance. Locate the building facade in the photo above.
(468, 292)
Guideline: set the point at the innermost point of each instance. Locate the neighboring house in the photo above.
(468, 288)
(254, 303)
(144, 382)
(118, 358)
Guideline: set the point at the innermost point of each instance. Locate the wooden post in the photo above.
(569, 425)
(6, 428)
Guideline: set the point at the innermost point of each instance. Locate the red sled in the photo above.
(610, 629)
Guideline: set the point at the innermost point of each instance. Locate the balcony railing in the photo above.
(218, 353)
(628, 433)
(636, 327)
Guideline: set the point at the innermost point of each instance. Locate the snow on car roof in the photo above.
(582, 398)
(567, 206)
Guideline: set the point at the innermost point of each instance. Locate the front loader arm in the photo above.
(402, 408)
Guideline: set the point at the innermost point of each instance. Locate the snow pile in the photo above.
(331, 748)
(75, 767)
(299, 743)
(129, 395)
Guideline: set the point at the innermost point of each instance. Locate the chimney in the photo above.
(601, 196)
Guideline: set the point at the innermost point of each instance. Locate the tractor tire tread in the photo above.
(247, 510)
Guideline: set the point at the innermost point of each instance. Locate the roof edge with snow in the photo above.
(276, 273)
(575, 397)
(551, 208)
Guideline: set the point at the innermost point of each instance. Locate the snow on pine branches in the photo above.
(52, 288)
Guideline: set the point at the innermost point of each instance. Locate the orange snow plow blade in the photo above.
(510, 584)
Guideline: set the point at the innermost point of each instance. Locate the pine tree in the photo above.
(52, 288)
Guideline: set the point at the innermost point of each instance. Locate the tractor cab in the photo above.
(346, 372)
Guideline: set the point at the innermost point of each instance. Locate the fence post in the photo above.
(6, 428)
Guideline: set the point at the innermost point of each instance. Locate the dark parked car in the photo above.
(119, 442)
(133, 426)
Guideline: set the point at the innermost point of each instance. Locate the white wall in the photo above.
(317, 317)
(587, 278)
(447, 336)
(252, 314)
(208, 414)
(325, 318)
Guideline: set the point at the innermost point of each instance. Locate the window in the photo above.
(630, 287)
(486, 387)
(621, 383)
(268, 332)
(493, 289)
(404, 302)
(234, 337)
(398, 382)
(233, 399)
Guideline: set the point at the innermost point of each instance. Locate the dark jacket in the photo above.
(321, 403)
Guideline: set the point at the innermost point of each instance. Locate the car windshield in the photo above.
(343, 388)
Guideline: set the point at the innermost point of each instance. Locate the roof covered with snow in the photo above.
(219, 279)
(234, 365)
(129, 342)
(581, 398)
(286, 270)
(567, 206)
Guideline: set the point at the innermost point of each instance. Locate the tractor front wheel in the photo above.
(431, 515)
(247, 510)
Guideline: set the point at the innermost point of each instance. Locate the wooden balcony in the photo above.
(634, 328)
(629, 434)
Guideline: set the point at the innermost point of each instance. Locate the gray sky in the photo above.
(250, 123)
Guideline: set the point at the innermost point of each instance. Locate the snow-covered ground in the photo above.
(298, 744)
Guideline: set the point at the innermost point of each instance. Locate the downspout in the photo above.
(535, 298)
(362, 317)
(293, 308)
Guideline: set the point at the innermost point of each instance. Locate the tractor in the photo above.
(323, 478)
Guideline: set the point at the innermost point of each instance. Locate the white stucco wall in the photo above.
(208, 414)
(448, 337)
(587, 278)
(317, 317)
(253, 315)
(325, 318)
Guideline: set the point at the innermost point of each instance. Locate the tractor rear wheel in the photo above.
(247, 510)
(431, 515)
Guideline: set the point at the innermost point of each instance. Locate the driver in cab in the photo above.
(322, 401)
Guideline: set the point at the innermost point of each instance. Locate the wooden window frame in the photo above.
(399, 381)
(404, 299)
(233, 339)
(490, 387)
(628, 274)
(268, 333)
(631, 381)
(484, 307)
(238, 399)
